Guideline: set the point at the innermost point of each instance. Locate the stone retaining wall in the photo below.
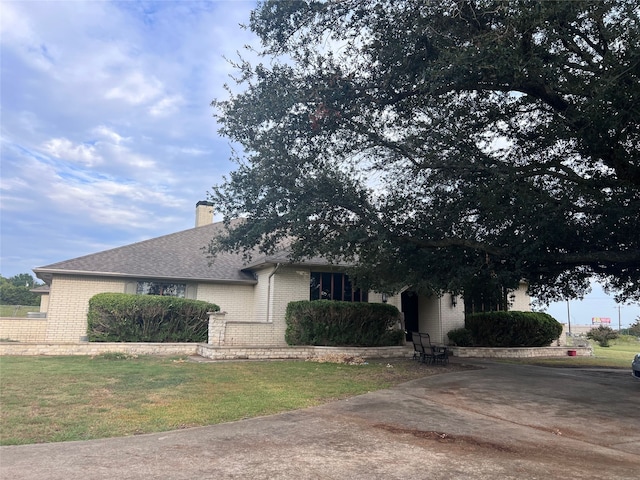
(519, 352)
(86, 348)
(276, 352)
(207, 351)
(266, 353)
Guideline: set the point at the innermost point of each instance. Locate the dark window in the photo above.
(334, 286)
(159, 288)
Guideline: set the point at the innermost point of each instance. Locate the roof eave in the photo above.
(47, 273)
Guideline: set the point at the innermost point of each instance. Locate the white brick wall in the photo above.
(236, 300)
(522, 301)
(44, 302)
(261, 292)
(23, 329)
(272, 295)
(437, 316)
(69, 304)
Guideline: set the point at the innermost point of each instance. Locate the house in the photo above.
(253, 296)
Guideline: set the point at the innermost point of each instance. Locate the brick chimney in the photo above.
(204, 213)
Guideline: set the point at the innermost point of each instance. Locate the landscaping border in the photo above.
(270, 353)
(520, 352)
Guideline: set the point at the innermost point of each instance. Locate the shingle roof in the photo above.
(178, 255)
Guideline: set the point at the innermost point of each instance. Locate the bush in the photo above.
(513, 329)
(461, 337)
(602, 335)
(120, 317)
(332, 323)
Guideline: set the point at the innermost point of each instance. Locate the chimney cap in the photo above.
(205, 203)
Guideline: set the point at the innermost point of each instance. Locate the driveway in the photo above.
(495, 422)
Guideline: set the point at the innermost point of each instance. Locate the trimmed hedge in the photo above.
(339, 324)
(461, 337)
(512, 329)
(121, 317)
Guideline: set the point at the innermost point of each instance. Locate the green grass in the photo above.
(17, 310)
(52, 399)
(619, 355)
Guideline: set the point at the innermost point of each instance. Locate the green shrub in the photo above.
(332, 323)
(602, 335)
(461, 337)
(513, 329)
(120, 317)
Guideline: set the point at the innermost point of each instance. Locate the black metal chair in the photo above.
(418, 349)
(427, 353)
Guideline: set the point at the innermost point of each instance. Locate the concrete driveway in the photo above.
(497, 422)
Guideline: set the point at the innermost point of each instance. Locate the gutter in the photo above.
(269, 290)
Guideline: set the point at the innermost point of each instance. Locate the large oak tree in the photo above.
(436, 142)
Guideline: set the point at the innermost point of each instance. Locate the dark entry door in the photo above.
(409, 302)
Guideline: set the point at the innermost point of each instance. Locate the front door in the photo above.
(409, 305)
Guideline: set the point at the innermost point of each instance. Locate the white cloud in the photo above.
(18, 32)
(109, 134)
(65, 149)
(166, 106)
(136, 89)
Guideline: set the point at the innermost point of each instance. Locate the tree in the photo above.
(16, 290)
(634, 329)
(442, 143)
(23, 280)
(602, 335)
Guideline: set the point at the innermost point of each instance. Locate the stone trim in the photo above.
(204, 350)
(519, 352)
(270, 352)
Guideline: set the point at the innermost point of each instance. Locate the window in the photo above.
(159, 288)
(334, 286)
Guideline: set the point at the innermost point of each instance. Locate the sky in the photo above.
(107, 133)
(108, 136)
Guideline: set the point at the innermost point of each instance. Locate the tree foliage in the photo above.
(16, 290)
(602, 335)
(436, 142)
(634, 329)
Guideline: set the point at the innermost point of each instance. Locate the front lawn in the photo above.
(52, 399)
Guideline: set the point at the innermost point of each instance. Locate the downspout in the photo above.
(269, 290)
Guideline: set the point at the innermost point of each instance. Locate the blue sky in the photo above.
(107, 132)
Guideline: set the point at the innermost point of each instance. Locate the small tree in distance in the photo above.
(602, 335)
(634, 329)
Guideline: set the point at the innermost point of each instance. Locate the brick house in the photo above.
(253, 296)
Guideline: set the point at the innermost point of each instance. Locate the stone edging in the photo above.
(519, 352)
(274, 352)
